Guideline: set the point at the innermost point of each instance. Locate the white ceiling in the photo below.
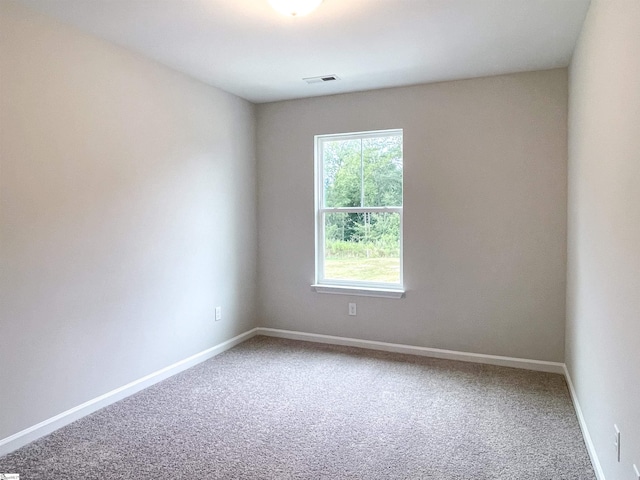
(245, 47)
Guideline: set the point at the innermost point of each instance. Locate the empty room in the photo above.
(320, 239)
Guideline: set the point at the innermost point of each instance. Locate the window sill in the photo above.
(359, 291)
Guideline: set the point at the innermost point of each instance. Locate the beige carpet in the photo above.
(280, 409)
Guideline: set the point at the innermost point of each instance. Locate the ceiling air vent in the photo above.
(322, 78)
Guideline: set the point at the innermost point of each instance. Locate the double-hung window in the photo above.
(359, 213)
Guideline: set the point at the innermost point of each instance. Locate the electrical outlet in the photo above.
(637, 472)
(218, 314)
(616, 442)
(352, 309)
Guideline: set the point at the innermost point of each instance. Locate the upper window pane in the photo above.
(342, 175)
(382, 168)
(362, 172)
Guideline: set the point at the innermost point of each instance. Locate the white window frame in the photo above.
(351, 287)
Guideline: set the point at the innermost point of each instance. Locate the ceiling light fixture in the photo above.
(295, 8)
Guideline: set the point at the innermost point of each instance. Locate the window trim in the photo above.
(359, 291)
(351, 287)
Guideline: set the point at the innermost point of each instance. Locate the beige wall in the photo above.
(485, 215)
(603, 294)
(128, 212)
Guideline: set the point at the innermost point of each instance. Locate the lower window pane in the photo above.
(363, 247)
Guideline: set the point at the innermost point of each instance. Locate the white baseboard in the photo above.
(583, 426)
(9, 444)
(538, 365)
